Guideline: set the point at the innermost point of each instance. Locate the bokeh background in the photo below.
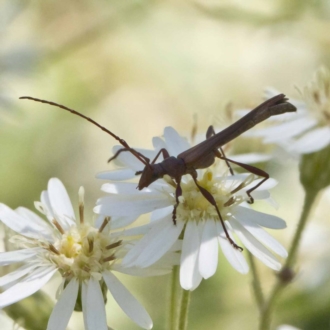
(137, 66)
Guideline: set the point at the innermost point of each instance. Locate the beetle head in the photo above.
(148, 176)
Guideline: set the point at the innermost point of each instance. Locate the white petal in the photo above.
(93, 306)
(60, 201)
(44, 198)
(127, 188)
(254, 246)
(158, 144)
(234, 256)
(156, 245)
(260, 195)
(127, 159)
(155, 230)
(175, 143)
(268, 184)
(117, 175)
(161, 213)
(251, 158)
(127, 302)
(312, 141)
(21, 225)
(142, 272)
(45, 230)
(134, 231)
(11, 257)
(262, 235)
(24, 289)
(120, 222)
(288, 129)
(24, 212)
(286, 327)
(63, 309)
(208, 252)
(262, 219)
(18, 273)
(189, 256)
(130, 205)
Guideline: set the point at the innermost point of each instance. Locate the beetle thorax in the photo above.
(172, 166)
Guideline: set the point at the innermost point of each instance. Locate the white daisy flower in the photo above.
(197, 221)
(84, 255)
(308, 130)
(286, 327)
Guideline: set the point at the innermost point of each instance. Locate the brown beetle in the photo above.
(200, 156)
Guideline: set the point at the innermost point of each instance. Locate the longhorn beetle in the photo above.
(200, 156)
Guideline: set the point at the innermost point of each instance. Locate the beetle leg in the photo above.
(178, 193)
(253, 170)
(209, 133)
(161, 151)
(211, 199)
(145, 160)
(165, 155)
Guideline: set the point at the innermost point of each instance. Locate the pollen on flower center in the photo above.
(317, 96)
(83, 251)
(194, 206)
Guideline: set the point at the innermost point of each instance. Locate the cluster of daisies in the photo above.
(88, 254)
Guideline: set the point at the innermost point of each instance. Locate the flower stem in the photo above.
(256, 287)
(175, 294)
(184, 308)
(287, 273)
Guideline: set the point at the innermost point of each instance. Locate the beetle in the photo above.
(200, 156)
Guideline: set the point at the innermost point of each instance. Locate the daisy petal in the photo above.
(175, 143)
(63, 309)
(156, 229)
(18, 273)
(45, 229)
(24, 289)
(189, 255)
(251, 158)
(234, 256)
(60, 201)
(44, 198)
(117, 175)
(127, 302)
(160, 242)
(288, 129)
(254, 246)
(126, 188)
(312, 141)
(260, 218)
(93, 306)
(158, 144)
(20, 224)
(7, 258)
(142, 272)
(262, 235)
(161, 213)
(130, 205)
(208, 253)
(127, 159)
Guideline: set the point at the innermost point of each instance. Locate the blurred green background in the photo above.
(137, 66)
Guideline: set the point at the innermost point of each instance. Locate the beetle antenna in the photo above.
(138, 155)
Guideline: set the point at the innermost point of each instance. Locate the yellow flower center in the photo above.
(194, 206)
(83, 252)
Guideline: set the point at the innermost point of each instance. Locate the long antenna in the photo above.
(141, 157)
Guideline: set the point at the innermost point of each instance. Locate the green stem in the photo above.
(184, 308)
(256, 287)
(287, 273)
(175, 294)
